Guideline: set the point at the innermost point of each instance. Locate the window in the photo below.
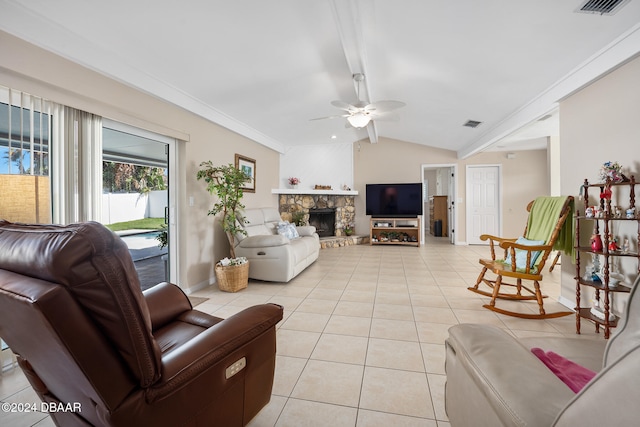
(25, 134)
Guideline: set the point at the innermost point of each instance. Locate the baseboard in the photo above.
(200, 286)
(569, 303)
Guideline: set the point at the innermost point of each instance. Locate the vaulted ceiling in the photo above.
(264, 69)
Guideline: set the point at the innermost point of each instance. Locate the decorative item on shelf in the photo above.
(589, 271)
(631, 213)
(618, 212)
(590, 212)
(322, 187)
(613, 244)
(614, 278)
(612, 171)
(598, 212)
(626, 246)
(227, 182)
(345, 187)
(293, 182)
(596, 243)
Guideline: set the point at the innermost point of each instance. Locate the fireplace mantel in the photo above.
(302, 191)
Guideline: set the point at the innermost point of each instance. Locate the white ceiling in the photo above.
(265, 68)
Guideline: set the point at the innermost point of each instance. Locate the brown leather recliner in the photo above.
(103, 353)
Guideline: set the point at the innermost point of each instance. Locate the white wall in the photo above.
(327, 164)
(598, 124)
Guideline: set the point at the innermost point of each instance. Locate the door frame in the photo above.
(453, 200)
(469, 196)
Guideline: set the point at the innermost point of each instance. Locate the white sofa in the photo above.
(272, 256)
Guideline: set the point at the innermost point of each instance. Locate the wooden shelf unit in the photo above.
(594, 225)
(395, 231)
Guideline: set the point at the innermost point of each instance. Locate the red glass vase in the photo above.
(596, 243)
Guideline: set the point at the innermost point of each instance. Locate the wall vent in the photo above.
(472, 124)
(601, 7)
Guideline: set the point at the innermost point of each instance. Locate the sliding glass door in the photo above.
(135, 200)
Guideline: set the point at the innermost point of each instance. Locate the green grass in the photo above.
(142, 224)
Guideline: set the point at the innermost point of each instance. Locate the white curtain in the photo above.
(76, 165)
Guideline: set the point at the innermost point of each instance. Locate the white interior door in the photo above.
(483, 202)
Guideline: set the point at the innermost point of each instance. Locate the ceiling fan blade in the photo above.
(331, 117)
(384, 106)
(391, 116)
(344, 106)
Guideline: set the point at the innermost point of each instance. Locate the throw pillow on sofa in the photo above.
(288, 230)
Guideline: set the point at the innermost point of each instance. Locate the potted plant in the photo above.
(298, 217)
(348, 230)
(226, 183)
(163, 237)
(293, 182)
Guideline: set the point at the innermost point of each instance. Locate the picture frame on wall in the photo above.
(248, 166)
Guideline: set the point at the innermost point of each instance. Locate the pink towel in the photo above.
(572, 374)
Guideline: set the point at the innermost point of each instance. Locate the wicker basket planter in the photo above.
(232, 278)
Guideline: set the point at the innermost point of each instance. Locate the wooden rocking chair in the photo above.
(524, 258)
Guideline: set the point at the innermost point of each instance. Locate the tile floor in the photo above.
(362, 340)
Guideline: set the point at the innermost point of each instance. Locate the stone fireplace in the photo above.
(342, 206)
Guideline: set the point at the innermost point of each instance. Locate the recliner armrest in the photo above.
(190, 360)
(519, 388)
(165, 302)
(264, 241)
(306, 230)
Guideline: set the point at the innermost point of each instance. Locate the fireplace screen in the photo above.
(324, 220)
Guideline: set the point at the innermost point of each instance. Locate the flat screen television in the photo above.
(394, 200)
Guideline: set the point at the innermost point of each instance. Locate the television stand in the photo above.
(395, 231)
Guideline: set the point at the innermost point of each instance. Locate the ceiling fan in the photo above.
(360, 113)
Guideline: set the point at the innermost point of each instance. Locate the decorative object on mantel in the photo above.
(322, 187)
(293, 182)
(227, 183)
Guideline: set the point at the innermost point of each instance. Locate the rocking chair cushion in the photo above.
(521, 255)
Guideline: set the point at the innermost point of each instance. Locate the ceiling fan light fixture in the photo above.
(359, 120)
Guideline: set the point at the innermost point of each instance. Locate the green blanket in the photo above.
(543, 219)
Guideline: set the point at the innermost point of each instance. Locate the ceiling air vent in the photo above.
(601, 7)
(472, 124)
